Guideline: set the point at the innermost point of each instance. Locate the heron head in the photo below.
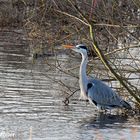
(80, 48)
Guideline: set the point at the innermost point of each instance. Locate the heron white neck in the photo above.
(83, 77)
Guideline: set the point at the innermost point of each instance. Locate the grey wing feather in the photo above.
(102, 94)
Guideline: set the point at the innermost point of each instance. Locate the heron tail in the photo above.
(126, 105)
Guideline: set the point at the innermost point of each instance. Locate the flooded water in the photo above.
(31, 104)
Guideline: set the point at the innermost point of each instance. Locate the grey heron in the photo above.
(94, 90)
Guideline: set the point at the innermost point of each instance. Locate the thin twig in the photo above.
(72, 16)
(66, 101)
(116, 26)
(121, 49)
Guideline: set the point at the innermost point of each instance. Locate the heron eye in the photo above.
(83, 47)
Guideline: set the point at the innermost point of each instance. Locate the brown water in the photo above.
(31, 104)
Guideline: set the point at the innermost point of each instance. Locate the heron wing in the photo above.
(102, 94)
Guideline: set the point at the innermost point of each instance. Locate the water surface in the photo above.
(31, 104)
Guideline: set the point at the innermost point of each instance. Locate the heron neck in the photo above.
(83, 77)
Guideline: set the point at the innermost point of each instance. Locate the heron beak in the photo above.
(68, 46)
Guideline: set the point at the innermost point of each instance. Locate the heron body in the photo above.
(95, 90)
(103, 96)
